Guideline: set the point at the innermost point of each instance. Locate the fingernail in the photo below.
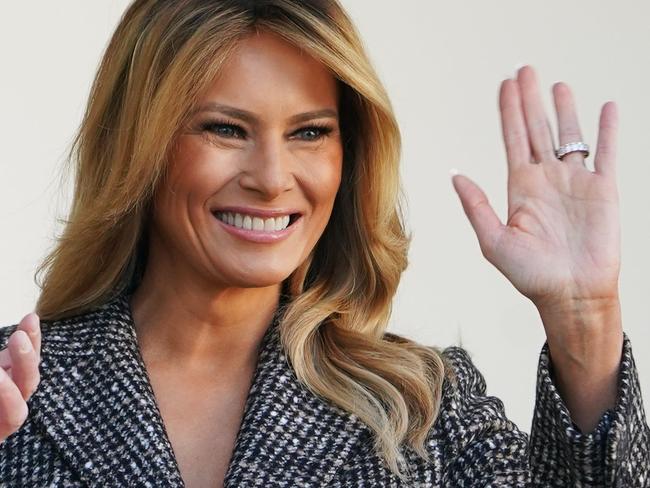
(454, 172)
(518, 66)
(24, 344)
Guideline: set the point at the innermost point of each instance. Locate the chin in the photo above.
(260, 278)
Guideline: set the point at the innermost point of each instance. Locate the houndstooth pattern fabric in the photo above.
(94, 422)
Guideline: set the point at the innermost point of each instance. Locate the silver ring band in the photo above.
(572, 147)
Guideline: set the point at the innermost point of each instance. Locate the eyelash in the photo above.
(323, 129)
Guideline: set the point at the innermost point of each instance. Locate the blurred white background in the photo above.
(442, 63)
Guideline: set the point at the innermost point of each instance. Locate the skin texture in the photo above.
(197, 329)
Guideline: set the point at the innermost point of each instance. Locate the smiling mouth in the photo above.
(255, 223)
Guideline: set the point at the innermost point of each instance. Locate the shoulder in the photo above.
(465, 378)
(465, 404)
(472, 432)
(78, 332)
(472, 440)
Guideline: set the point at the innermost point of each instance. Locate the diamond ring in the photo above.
(565, 149)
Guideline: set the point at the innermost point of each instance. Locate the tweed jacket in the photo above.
(94, 421)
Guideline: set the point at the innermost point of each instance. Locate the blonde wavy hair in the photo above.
(161, 57)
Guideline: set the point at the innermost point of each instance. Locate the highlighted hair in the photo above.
(161, 57)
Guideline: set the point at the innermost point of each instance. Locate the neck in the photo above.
(185, 322)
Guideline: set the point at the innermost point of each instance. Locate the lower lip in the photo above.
(257, 235)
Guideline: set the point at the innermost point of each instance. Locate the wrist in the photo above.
(579, 315)
(585, 341)
(584, 335)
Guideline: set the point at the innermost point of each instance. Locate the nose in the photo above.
(268, 170)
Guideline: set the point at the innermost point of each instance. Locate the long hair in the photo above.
(161, 57)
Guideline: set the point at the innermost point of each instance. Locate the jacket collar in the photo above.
(96, 403)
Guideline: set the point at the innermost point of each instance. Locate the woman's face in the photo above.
(254, 175)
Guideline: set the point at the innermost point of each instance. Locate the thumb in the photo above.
(481, 215)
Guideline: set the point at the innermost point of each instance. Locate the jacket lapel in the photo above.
(96, 403)
(289, 436)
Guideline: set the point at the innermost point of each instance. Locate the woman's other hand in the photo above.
(19, 374)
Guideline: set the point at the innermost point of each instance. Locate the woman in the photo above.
(215, 311)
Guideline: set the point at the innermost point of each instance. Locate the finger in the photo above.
(567, 120)
(605, 160)
(5, 359)
(513, 124)
(31, 324)
(24, 363)
(484, 220)
(13, 409)
(539, 131)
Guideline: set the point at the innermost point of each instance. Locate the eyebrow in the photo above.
(251, 118)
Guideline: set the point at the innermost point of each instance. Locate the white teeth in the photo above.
(247, 222)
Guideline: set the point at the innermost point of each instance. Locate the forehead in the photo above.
(266, 70)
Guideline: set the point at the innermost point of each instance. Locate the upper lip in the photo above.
(258, 212)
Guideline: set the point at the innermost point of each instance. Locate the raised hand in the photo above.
(561, 239)
(560, 246)
(19, 374)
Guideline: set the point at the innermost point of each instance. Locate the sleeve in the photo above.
(615, 454)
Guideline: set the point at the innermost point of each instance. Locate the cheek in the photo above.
(196, 171)
(325, 178)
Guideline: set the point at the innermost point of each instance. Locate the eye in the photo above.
(224, 129)
(230, 130)
(314, 132)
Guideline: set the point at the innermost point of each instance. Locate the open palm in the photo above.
(561, 240)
